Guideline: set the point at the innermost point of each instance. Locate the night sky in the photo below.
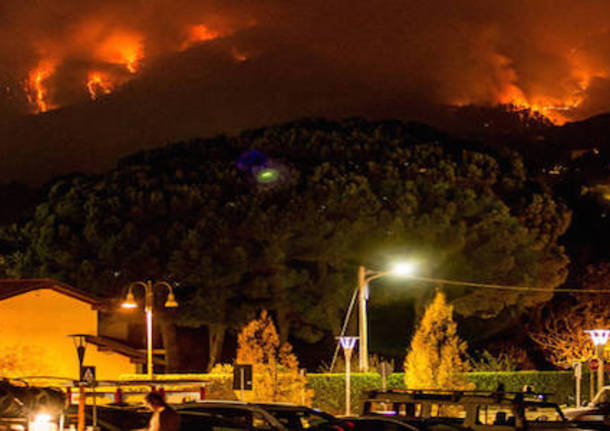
(83, 83)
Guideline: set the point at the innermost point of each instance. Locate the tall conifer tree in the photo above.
(436, 358)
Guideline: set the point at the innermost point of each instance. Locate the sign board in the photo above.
(242, 377)
(593, 364)
(87, 374)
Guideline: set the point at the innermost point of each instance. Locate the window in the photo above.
(260, 422)
(446, 410)
(495, 415)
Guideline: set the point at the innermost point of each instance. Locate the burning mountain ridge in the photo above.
(550, 56)
(114, 59)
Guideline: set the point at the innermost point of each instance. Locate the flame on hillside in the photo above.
(560, 107)
(36, 86)
(104, 51)
(123, 48)
(98, 84)
(561, 72)
(239, 55)
(198, 34)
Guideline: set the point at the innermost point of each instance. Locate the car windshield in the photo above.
(237, 415)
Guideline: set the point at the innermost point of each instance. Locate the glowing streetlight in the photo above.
(348, 344)
(130, 303)
(403, 269)
(365, 276)
(599, 338)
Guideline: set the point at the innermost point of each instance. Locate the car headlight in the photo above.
(42, 422)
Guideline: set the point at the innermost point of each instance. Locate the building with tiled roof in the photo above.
(37, 317)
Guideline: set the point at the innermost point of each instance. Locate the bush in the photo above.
(329, 389)
(558, 383)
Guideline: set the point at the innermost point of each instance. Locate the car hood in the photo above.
(575, 412)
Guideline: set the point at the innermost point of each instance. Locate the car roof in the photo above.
(213, 418)
(282, 406)
(223, 404)
(213, 403)
(233, 403)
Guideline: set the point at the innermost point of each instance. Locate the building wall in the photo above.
(34, 329)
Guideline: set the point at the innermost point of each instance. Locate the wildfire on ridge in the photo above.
(239, 55)
(105, 50)
(36, 90)
(197, 34)
(123, 48)
(555, 109)
(98, 84)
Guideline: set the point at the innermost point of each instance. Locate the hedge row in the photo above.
(329, 389)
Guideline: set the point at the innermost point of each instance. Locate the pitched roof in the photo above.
(14, 287)
(110, 344)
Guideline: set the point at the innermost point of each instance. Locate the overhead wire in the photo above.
(508, 287)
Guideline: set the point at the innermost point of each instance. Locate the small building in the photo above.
(37, 318)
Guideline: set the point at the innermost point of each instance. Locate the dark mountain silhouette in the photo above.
(207, 91)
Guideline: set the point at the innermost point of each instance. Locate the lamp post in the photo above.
(348, 344)
(80, 343)
(149, 297)
(599, 338)
(365, 276)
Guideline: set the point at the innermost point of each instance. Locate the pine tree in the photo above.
(274, 365)
(436, 358)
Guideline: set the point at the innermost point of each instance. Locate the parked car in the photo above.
(300, 418)
(472, 410)
(270, 416)
(196, 421)
(128, 418)
(379, 423)
(598, 410)
(236, 411)
(113, 418)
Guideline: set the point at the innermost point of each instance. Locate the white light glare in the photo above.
(348, 342)
(599, 336)
(42, 422)
(404, 268)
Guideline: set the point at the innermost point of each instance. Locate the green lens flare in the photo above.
(267, 175)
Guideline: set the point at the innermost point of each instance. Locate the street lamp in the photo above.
(348, 344)
(365, 276)
(599, 338)
(130, 303)
(80, 343)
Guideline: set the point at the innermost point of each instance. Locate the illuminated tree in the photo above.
(508, 358)
(560, 330)
(275, 367)
(436, 358)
